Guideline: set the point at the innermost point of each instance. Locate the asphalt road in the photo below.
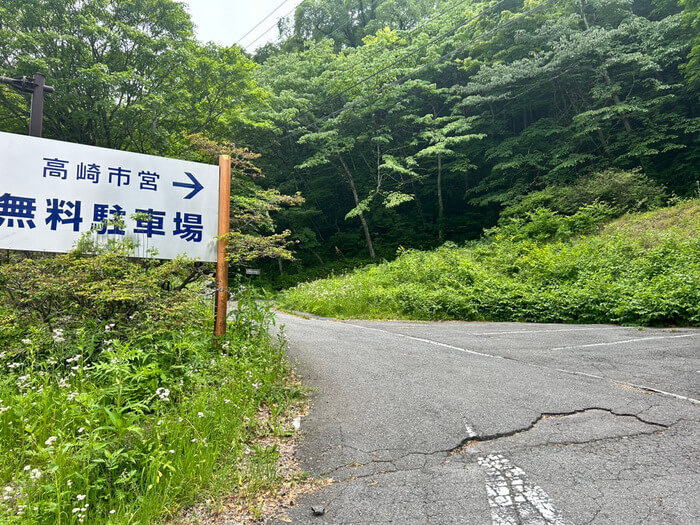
(498, 423)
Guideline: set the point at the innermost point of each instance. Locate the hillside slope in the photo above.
(641, 269)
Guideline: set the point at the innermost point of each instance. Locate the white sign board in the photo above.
(52, 193)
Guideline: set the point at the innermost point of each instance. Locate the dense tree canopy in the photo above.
(128, 75)
(434, 123)
(402, 123)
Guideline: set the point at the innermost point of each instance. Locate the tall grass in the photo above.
(643, 269)
(113, 412)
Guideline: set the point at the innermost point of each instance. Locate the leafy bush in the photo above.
(117, 405)
(621, 191)
(641, 269)
(543, 224)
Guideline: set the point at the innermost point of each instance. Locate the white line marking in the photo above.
(429, 341)
(513, 499)
(533, 365)
(546, 331)
(650, 389)
(470, 432)
(625, 341)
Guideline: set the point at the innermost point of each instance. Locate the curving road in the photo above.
(498, 423)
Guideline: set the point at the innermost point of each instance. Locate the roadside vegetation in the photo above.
(543, 266)
(117, 405)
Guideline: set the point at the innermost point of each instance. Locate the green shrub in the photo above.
(621, 191)
(543, 224)
(117, 405)
(642, 269)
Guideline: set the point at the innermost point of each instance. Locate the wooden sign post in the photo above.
(221, 262)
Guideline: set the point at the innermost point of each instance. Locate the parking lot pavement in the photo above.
(498, 423)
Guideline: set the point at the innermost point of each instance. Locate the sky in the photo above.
(227, 21)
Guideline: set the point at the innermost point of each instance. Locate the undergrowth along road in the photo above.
(641, 269)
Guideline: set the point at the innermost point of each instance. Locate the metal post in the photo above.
(221, 262)
(37, 87)
(37, 111)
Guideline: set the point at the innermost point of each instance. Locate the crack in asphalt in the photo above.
(459, 449)
(545, 415)
(417, 462)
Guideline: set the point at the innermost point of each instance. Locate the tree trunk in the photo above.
(319, 258)
(441, 205)
(616, 99)
(604, 142)
(419, 206)
(608, 81)
(279, 263)
(351, 181)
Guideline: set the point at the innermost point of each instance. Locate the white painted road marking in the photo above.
(470, 432)
(546, 331)
(513, 499)
(429, 341)
(533, 365)
(650, 389)
(625, 341)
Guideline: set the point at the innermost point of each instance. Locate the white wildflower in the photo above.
(163, 393)
(58, 335)
(50, 441)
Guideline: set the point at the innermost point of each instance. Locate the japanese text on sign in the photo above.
(53, 192)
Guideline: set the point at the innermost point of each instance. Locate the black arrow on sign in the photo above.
(196, 186)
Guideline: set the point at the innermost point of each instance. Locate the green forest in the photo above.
(512, 160)
(401, 124)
